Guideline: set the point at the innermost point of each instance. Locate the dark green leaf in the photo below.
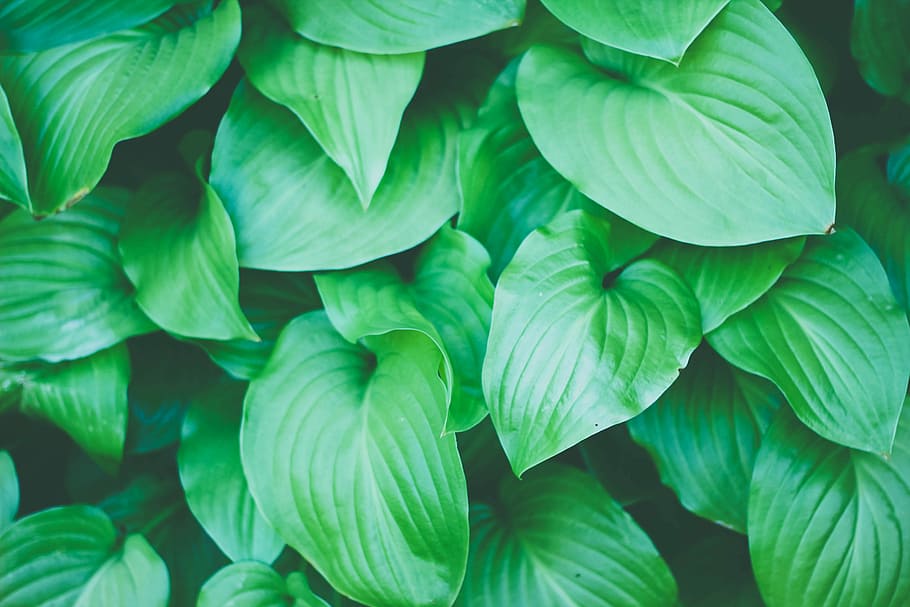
(716, 572)
(9, 490)
(880, 41)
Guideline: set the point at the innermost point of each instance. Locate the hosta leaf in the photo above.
(341, 447)
(557, 538)
(832, 338)
(732, 147)
(72, 104)
(878, 207)
(64, 293)
(178, 249)
(212, 476)
(252, 584)
(404, 26)
(351, 102)
(136, 576)
(828, 525)
(9, 490)
(623, 467)
(726, 280)
(268, 169)
(578, 342)
(13, 181)
(880, 41)
(704, 432)
(663, 29)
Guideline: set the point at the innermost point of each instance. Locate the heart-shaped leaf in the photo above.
(579, 343)
(252, 584)
(827, 524)
(732, 147)
(136, 575)
(832, 338)
(662, 29)
(9, 490)
(71, 104)
(340, 444)
(557, 538)
(880, 42)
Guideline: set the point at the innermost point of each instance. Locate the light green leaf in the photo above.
(579, 342)
(832, 338)
(726, 280)
(212, 476)
(340, 444)
(557, 538)
(732, 147)
(71, 104)
(252, 584)
(704, 432)
(351, 102)
(294, 209)
(64, 292)
(135, 576)
(178, 249)
(9, 490)
(828, 525)
(404, 26)
(663, 29)
(880, 41)
(878, 207)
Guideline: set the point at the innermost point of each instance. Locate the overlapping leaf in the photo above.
(9, 490)
(253, 584)
(136, 575)
(880, 41)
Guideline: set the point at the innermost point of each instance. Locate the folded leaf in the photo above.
(252, 584)
(732, 147)
(9, 490)
(880, 42)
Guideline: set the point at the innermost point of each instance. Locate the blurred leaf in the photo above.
(880, 41)
(716, 572)
(9, 491)
(624, 468)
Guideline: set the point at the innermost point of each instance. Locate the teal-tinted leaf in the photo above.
(9, 490)
(32, 25)
(212, 476)
(13, 181)
(404, 26)
(557, 538)
(828, 525)
(351, 102)
(878, 207)
(252, 584)
(880, 41)
(732, 147)
(663, 29)
(178, 249)
(295, 209)
(64, 292)
(72, 104)
(135, 576)
(773, 4)
(704, 432)
(578, 342)
(832, 338)
(341, 447)
(716, 572)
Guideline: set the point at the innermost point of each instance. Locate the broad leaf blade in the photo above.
(9, 490)
(253, 584)
(13, 181)
(880, 41)
(135, 576)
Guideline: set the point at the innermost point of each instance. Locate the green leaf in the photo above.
(832, 338)
(403, 26)
(623, 467)
(557, 538)
(828, 525)
(663, 29)
(732, 147)
(178, 249)
(212, 476)
(726, 280)
(341, 447)
(71, 104)
(294, 209)
(34, 25)
(9, 490)
(878, 207)
(136, 576)
(350, 102)
(704, 432)
(579, 342)
(880, 42)
(64, 293)
(252, 584)
(13, 181)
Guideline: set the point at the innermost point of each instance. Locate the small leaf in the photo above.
(832, 338)
(880, 41)
(136, 576)
(252, 584)
(9, 490)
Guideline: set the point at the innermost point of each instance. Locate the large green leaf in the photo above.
(71, 104)
(252, 584)
(832, 338)
(878, 207)
(178, 249)
(212, 476)
(295, 209)
(704, 432)
(557, 538)
(13, 181)
(880, 41)
(828, 526)
(64, 292)
(662, 29)
(579, 342)
(732, 147)
(135, 576)
(9, 490)
(351, 102)
(403, 26)
(340, 444)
